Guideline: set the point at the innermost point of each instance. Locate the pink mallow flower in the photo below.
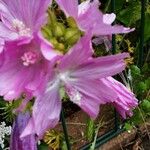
(88, 16)
(23, 67)
(20, 19)
(78, 74)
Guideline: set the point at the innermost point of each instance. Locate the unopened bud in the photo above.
(60, 46)
(59, 30)
(54, 41)
(47, 33)
(72, 35)
(71, 22)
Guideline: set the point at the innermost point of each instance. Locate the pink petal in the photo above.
(109, 18)
(88, 15)
(46, 112)
(105, 29)
(47, 49)
(32, 13)
(90, 106)
(78, 54)
(100, 67)
(70, 7)
(125, 101)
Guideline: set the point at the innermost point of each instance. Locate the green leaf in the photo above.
(130, 14)
(135, 71)
(136, 119)
(90, 129)
(128, 126)
(141, 87)
(146, 105)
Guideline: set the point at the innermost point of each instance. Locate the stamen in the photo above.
(29, 58)
(21, 29)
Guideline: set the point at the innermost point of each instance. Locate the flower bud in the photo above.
(60, 46)
(54, 41)
(71, 22)
(47, 33)
(59, 30)
(72, 35)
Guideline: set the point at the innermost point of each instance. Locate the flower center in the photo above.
(64, 77)
(30, 58)
(21, 29)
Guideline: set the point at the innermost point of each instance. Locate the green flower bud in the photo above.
(72, 35)
(71, 22)
(47, 33)
(60, 47)
(54, 41)
(51, 18)
(59, 30)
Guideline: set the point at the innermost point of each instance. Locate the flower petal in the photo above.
(46, 112)
(125, 101)
(70, 7)
(88, 15)
(78, 54)
(31, 13)
(47, 49)
(100, 67)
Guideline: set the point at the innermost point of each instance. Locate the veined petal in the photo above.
(94, 89)
(47, 49)
(70, 7)
(89, 105)
(46, 112)
(105, 29)
(6, 33)
(126, 100)
(88, 15)
(100, 67)
(78, 54)
(31, 13)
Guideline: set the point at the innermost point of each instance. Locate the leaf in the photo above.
(146, 105)
(135, 71)
(90, 129)
(128, 126)
(141, 87)
(130, 14)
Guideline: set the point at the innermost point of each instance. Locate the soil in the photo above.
(76, 124)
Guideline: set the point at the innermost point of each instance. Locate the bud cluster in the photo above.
(62, 34)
